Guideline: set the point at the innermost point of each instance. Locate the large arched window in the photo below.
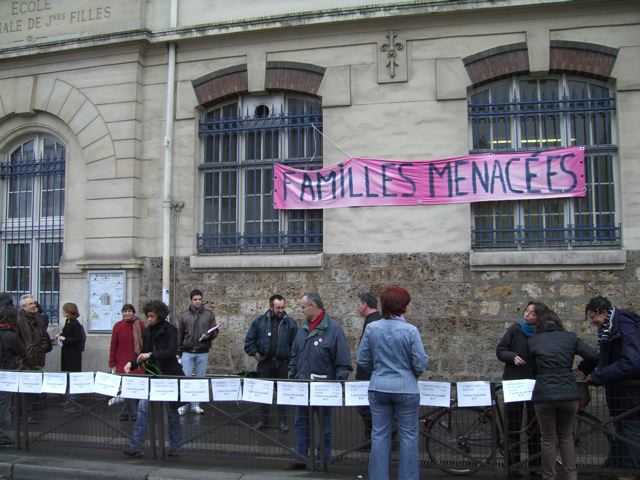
(241, 141)
(33, 220)
(530, 114)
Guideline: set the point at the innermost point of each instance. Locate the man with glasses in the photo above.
(619, 362)
(320, 351)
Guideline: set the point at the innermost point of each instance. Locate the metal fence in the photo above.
(456, 440)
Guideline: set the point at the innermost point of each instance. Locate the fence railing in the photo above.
(457, 440)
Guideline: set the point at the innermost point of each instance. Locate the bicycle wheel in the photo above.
(592, 442)
(459, 440)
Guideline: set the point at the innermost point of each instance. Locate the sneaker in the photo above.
(296, 466)
(260, 425)
(183, 409)
(197, 409)
(283, 427)
(7, 443)
(132, 452)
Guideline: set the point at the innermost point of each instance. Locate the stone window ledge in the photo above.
(257, 262)
(548, 260)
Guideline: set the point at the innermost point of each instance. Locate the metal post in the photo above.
(312, 441)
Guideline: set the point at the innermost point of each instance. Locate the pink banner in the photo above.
(360, 182)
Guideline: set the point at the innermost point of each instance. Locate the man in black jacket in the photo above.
(269, 340)
(158, 355)
(367, 308)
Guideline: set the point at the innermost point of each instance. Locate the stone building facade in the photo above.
(391, 80)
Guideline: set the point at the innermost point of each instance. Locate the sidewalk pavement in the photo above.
(108, 464)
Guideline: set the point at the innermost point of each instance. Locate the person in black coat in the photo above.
(555, 394)
(72, 338)
(513, 351)
(13, 356)
(618, 364)
(158, 355)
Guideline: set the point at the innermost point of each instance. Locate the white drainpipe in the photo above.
(168, 160)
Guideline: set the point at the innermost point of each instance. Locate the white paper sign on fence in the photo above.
(9, 381)
(54, 383)
(356, 394)
(474, 394)
(325, 394)
(80, 382)
(293, 393)
(135, 387)
(226, 389)
(30, 382)
(194, 390)
(257, 391)
(435, 394)
(106, 384)
(164, 390)
(517, 390)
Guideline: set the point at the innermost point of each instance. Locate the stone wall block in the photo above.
(83, 117)
(572, 290)
(61, 91)
(72, 105)
(93, 132)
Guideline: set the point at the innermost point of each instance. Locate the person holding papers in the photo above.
(513, 350)
(392, 350)
(555, 394)
(197, 328)
(158, 355)
(319, 351)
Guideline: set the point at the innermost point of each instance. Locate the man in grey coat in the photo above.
(320, 351)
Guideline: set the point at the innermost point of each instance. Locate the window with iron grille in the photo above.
(33, 221)
(532, 114)
(237, 172)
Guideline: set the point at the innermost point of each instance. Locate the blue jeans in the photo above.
(384, 407)
(195, 363)
(140, 428)
(302, 432)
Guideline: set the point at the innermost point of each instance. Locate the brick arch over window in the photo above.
(571, 57)
(231, 81)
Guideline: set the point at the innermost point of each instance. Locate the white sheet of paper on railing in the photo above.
(293, 393)
(474, 394)
(30, 382)
(257, 391)
(106, 384)
(80, 382)
(517, 390)
(54, 383)
(356, 394)
(134, 386)
(325, 394)
(435, 394)
(9, 381)
(194, 390)
(226, 389)
(164, 390)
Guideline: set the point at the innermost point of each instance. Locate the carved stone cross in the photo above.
(391, 48)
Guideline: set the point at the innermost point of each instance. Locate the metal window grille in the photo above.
(523, 114)
(239, 154)
(33, 223)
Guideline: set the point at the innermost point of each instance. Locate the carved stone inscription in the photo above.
(38, 20)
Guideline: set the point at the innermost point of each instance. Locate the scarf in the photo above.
(527, 329)
(137, 334)
(604, 332)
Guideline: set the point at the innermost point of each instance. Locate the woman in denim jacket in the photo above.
(393, 351)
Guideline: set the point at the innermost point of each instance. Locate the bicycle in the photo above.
(461, 440)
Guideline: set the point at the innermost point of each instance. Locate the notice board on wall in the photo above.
(107, 294)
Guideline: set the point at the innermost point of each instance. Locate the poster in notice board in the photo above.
(107, 293)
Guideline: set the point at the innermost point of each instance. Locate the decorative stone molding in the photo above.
(392, 60)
